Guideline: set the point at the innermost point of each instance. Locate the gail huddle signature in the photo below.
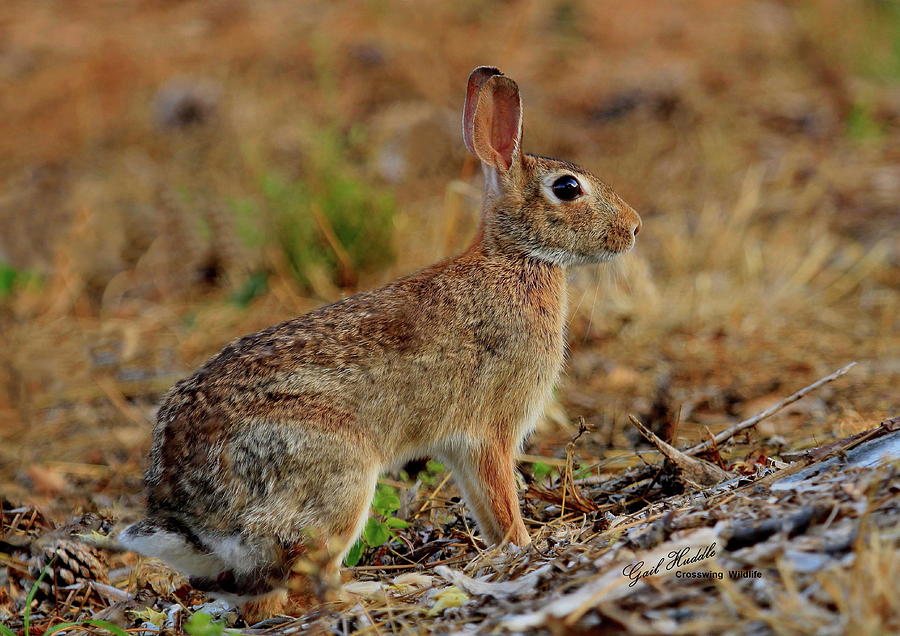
(675, 559)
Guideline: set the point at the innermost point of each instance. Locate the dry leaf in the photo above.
(448, 597)
(518, 587)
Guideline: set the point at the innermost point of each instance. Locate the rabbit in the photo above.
(272, 450)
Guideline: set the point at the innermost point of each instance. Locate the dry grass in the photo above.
(757, 139)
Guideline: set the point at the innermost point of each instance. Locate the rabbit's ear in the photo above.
(476, 80)
(497, 129)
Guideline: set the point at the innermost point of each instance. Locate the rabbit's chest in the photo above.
(514, 361)
(518, 352)
(518, 374)
(499, 380)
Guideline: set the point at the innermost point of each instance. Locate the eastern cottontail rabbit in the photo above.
(276, 443)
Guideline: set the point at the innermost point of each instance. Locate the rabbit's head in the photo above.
(548, 209)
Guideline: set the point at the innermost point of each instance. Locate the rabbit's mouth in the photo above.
(565, 258)
(604, 255)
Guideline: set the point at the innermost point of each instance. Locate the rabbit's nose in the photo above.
(632, 220)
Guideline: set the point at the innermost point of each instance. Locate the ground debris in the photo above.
(657, 548)
(694, 470)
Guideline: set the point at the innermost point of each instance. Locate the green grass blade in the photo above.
(26, 615)
(6, 631)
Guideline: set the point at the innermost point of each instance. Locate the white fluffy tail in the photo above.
(222, 565)
(165, 541)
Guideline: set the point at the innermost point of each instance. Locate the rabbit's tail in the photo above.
(174, 543)
(223, 565)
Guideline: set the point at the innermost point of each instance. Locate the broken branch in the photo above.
(759, 417)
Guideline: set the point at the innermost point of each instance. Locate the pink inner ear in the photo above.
(505, 122)
(497, 123)
(476, 80)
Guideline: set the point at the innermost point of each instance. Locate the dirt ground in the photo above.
(177, 174)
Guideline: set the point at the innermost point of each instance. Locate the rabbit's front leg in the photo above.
(486, 476)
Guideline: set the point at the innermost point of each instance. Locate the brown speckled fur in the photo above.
(276, 442)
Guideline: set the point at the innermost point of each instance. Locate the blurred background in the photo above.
(176, 174)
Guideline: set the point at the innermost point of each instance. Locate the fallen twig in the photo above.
(110, 592)
(759, 417)
(695, 470)
(578, 500)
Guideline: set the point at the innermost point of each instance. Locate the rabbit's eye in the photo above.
(566, 188)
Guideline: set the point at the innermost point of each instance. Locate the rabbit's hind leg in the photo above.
(261, 608)
(257, 571)
(316, 573)
(257, 596)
